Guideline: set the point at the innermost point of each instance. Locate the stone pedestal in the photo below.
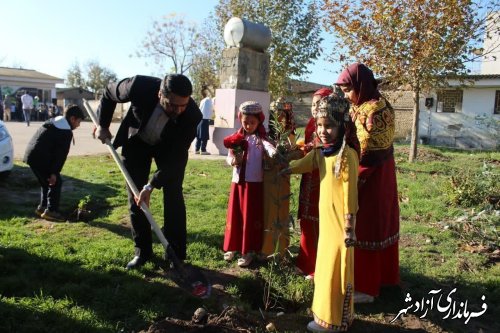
(243, 68)
(244, 76)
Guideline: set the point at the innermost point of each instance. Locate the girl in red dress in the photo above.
(244, 222)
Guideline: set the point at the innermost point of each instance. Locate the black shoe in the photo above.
(136, 262)
(53, 216)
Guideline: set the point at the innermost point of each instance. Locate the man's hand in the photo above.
(103, 134)
(52, 180)
(144, 196)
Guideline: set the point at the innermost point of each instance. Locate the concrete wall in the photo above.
(475, 126)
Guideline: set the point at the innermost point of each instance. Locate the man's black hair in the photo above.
(177, 84)
(74, 110)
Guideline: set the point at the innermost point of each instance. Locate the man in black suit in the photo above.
(160, 124)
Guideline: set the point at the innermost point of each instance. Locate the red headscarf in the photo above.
(361, 79)
(323, 92)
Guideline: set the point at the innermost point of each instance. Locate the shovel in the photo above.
(189, 277)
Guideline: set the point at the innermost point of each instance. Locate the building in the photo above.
(73, 95)
(301, 99)
(463, 116)
(14, 81)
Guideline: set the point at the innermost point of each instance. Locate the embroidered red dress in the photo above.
(376, 254)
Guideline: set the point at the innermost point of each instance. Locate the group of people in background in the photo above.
(27, 108)
(348, 205)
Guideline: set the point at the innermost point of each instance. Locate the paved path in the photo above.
(84, 143)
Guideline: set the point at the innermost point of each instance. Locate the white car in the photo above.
(6, 149)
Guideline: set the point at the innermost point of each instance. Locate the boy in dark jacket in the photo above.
(46, 154)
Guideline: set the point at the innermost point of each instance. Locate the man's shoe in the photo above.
(53, 216)
(197, 152)
(39, 211)
(136, 262)
(205, 153)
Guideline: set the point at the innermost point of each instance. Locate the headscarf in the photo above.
(323, 92)
(362, 81)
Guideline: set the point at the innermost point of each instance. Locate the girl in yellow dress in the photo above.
(332, 305)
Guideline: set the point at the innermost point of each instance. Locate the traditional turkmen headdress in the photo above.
(255, 109)
(335, 108)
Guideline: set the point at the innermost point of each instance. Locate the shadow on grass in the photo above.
(20, 192)
(18, 318)
(40, 294)
(392, 300)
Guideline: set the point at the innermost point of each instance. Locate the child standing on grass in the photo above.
(244, 223)
(46, 153)
(332, 305)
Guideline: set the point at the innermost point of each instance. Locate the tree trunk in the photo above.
(414, 131)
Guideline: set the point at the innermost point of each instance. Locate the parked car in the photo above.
(6, 149)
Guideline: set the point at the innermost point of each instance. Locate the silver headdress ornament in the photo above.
(327, 106)
(336, 108)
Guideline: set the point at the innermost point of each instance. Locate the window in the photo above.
(451, 100)
(496, 108)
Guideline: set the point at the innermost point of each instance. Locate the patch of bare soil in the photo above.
(232, 319)
(423, 155)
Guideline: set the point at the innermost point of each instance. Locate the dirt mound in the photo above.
(423, 154)
(231, 319)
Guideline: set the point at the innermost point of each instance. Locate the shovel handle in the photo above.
(132, 187)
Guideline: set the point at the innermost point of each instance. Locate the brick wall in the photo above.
(404, 122)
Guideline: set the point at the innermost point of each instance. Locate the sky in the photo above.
(50, 36)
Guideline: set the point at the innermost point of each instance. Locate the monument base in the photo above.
(226, 122)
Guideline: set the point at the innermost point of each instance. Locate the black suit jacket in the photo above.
(142, 93)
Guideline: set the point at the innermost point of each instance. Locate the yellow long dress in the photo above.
(334, 276)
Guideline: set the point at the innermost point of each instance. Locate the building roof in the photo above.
(74, 93)
(301, 87)
(28, 74)
(475, 76)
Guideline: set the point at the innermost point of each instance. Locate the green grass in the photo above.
(70, 277)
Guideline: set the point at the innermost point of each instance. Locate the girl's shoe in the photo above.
(315, 328)
(362, 298)
(229, 255)
(245, 260)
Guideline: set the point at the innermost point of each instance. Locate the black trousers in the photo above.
(137, 158)
(202, 135)
(50, 196)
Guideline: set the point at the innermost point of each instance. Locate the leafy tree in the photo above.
(295, 34)
(204, 70)
(98, 77)
(171, 41)
(74, 77)
(414, 43)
